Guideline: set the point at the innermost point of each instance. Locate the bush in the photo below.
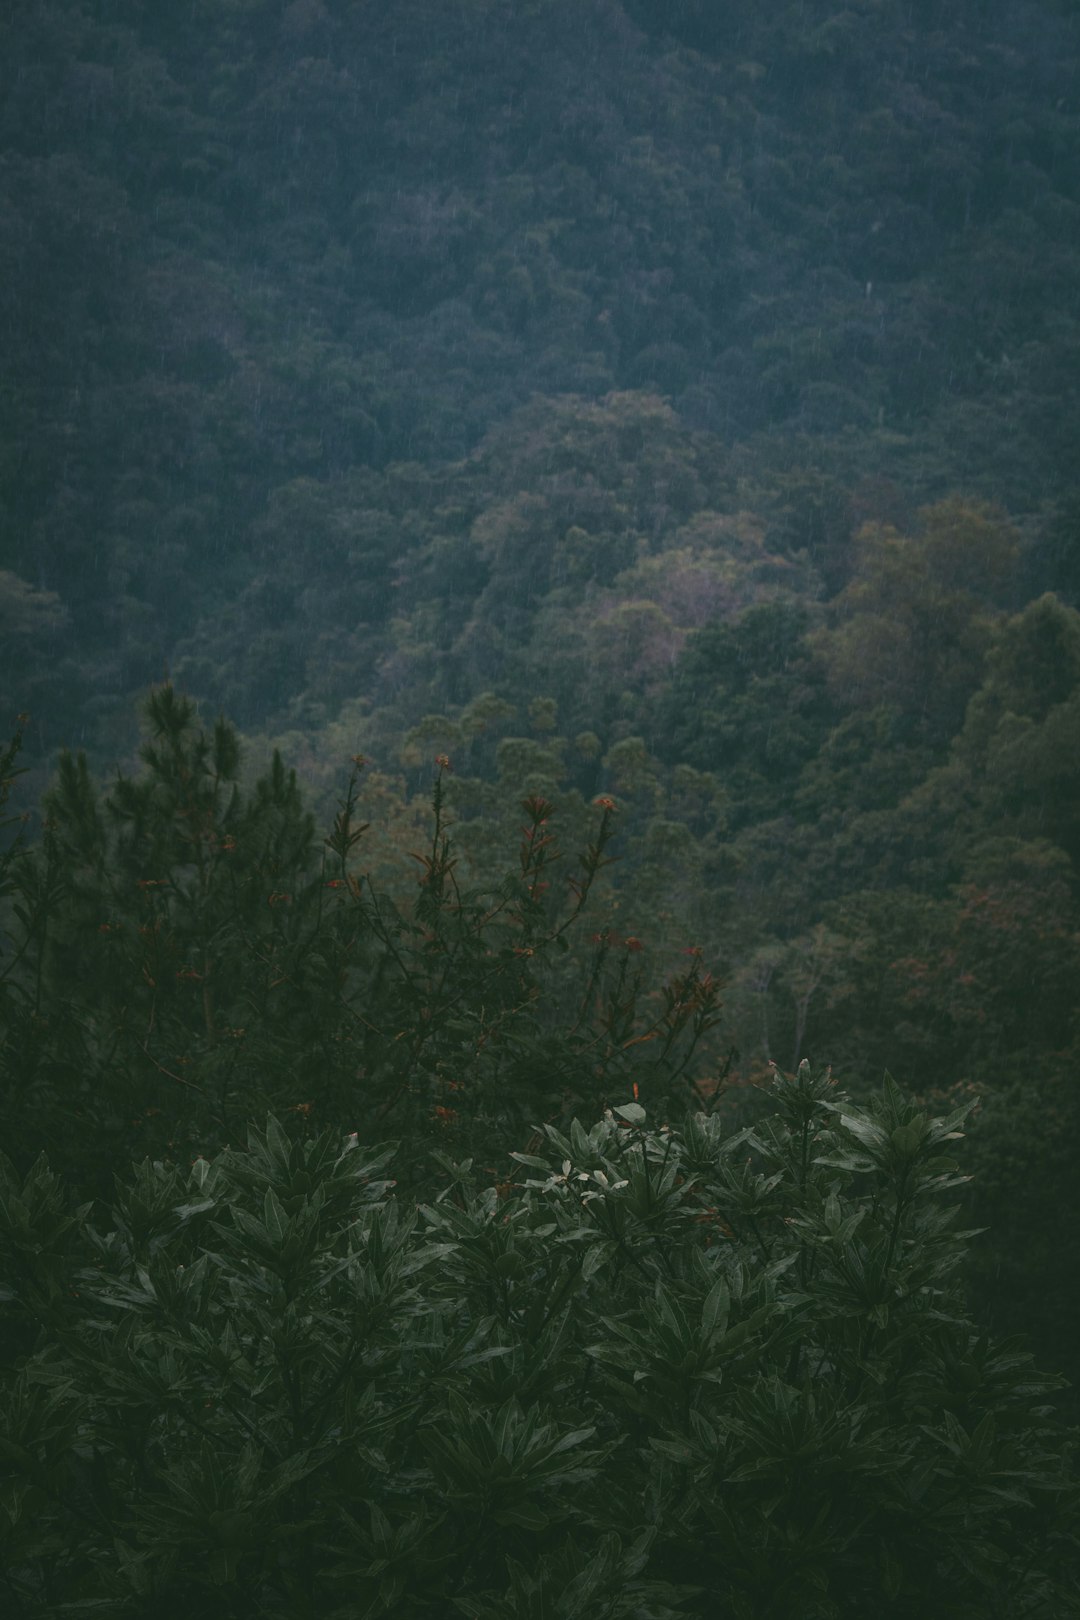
(683, 1370)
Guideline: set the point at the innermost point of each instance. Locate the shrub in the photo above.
(674, 1370)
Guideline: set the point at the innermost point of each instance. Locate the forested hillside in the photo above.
(278, 279)
(671, 405)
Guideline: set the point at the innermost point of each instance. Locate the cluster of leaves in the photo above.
(667, 1371)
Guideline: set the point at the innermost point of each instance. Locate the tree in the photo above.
(748, 703)
(182, 953)
(910, 628)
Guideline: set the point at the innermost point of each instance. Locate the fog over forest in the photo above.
(540, 574)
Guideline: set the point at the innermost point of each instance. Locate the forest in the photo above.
(540, 782)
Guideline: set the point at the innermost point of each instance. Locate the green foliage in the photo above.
(747, 703)
(755, 263)
(638, 350)
(912, 623)
(182, 957)
(538, 1352)
(667, 1371)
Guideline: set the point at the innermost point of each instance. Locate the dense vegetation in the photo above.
(657, 1364)
(663, 416)
(278, 279)
(645, 1382)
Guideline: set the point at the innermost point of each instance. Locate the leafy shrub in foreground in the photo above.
(673, 1371)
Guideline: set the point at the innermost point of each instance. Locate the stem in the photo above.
(898, 1213)
(804, 1154)
(762, 1245)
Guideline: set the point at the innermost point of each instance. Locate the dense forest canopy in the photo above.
(279, 279)
(670, 408)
